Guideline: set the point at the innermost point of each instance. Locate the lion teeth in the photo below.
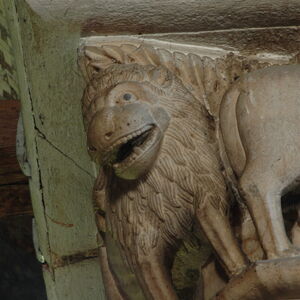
(125, 139)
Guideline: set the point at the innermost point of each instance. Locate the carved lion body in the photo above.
(160, 206)
(177, 186)
(161, 172)
(260, 126)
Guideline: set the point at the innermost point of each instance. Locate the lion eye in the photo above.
(127, 96)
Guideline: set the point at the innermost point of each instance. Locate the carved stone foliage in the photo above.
(178, 163)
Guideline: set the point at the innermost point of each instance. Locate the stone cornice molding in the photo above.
(150, 16)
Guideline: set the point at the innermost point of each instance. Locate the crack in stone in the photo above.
(43, 136)
(41, 188)
(66, 260)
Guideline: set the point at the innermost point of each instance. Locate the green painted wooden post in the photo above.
(62, 175)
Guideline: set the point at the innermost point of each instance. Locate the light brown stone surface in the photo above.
(270, 279)
(148, 16)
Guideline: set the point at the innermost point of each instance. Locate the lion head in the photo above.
(126, 115)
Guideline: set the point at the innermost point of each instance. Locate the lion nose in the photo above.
(106, 118)
(108, 135)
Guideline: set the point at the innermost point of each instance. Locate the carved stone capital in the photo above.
(192, 140)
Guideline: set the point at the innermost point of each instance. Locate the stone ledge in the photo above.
(267, 279)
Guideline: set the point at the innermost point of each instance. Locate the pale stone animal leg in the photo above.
(154, 276)
(296, 231)
(264, 203)
(111, 289)
(216, 227)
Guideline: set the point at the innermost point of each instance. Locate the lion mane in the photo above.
(159, 208)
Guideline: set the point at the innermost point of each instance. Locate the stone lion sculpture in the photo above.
(259, 121)
(162, 171)
(163, 157)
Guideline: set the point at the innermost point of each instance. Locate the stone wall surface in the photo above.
(151, 16)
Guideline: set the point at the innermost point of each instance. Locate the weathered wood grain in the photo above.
(10, 171)
(14, 190)
(15, 200)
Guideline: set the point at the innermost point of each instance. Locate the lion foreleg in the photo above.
(216, 227)
(296, 230)
(111, 289)
(154, 276)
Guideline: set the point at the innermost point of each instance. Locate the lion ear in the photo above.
(93, 60)
(90, 61)
(95, 57)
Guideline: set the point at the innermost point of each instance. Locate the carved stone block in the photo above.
(172, 154)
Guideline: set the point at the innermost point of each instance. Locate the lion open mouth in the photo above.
(129, 148)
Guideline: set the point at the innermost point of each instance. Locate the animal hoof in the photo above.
(292, 252)
(238, 271)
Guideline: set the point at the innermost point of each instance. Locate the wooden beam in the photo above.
(10, 172)
(14, 190)
(15, 200)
